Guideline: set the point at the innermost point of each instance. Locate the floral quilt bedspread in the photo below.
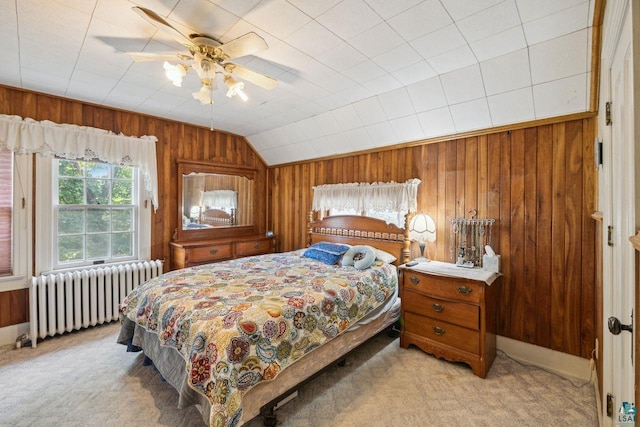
(240, 322)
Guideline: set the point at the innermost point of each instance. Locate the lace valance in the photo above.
(377, 196)
(79, 142)
(225, 199)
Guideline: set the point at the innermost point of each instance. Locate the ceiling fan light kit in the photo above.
(208, 57)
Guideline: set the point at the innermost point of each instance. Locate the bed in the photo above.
(214, 217)
(236, 337)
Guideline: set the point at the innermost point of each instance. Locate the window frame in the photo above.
(46, 252)
(21, 219)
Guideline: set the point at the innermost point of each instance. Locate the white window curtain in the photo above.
(367, 197)
(220, 199)
(26, 136)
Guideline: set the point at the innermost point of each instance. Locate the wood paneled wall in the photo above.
(175, 141)
(539, 183)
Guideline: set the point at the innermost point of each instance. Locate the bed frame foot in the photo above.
(270, 419)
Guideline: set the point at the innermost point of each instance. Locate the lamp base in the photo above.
(421, 259)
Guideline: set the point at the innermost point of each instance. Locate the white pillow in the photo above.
(385, 257)
(368, 258)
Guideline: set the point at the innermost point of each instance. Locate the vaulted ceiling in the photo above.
(352, 74)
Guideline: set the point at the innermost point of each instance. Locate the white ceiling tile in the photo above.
(438, 42)
(471, 115)
(364, 71)
(359, 138)
(349, 18)
(507, 72)
(398, 58)
(396, 103)
(512, 107)
(381, 134)
(387, 9)
(463, 85)
(163, 8)
(370, 111)
(342, 57)
(310, 128)
(339, 143)
(454, 60)
(293, 132)
(493, 20)
(427, 95)
(327, 123)
(278, 18)
(530, 10)
(499, 44)
(424, 18)
(436, 122)
(382, 84)
(558, 58)
(556, 25)
(237, 7)
(407, 128)
(459, 9)
(560, 97)
(347, 118)
(355, 93)
(323, 146)
(414, 73)
(376, 41)
(313, 8)
(306, 39)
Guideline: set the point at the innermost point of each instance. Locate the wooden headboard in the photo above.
(361, 230)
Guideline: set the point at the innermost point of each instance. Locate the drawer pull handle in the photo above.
(438, 330)
(437, 307)
(414, 280)
(257, 246)
(464, 290)
(213, 251)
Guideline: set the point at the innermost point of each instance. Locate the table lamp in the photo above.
(423, 229)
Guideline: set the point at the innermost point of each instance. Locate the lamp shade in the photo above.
(422, 228)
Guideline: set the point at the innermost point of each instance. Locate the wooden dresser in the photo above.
(448, 315)
(190, 253)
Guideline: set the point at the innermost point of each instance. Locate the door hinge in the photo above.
(607, 109)
(610, 235)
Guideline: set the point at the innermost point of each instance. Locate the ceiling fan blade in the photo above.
(244, 45)
(151, 56)
(257, 79)
(160, 23)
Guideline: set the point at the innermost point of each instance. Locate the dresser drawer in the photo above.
(443, 287)
(458, 313)
(209, 253)
(443, 332)
(254, 247)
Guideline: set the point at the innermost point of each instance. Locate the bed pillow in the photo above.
(385, 257)
(367, 257)
(329, 253)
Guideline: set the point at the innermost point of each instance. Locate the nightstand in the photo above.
(450, 312)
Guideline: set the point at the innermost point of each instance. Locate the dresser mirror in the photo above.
(216, 200)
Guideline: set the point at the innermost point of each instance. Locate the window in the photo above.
(95, 209)
(6, 213)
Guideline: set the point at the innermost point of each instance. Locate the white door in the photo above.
(618, 213)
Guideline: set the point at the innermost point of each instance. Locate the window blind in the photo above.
(6, 208)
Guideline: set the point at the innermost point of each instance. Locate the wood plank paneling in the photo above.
(537, 182)
(175, 141)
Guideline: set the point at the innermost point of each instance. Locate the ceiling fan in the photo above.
(208, 57)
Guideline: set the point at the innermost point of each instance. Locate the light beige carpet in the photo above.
(86, 379)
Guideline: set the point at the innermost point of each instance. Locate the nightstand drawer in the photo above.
(458, 313)
(210, 253)
(442, 287)
(443, 332)
(254, 247)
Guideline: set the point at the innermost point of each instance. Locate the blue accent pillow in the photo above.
(333, 248)
(329, 253)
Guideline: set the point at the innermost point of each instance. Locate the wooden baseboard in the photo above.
(566, 365)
